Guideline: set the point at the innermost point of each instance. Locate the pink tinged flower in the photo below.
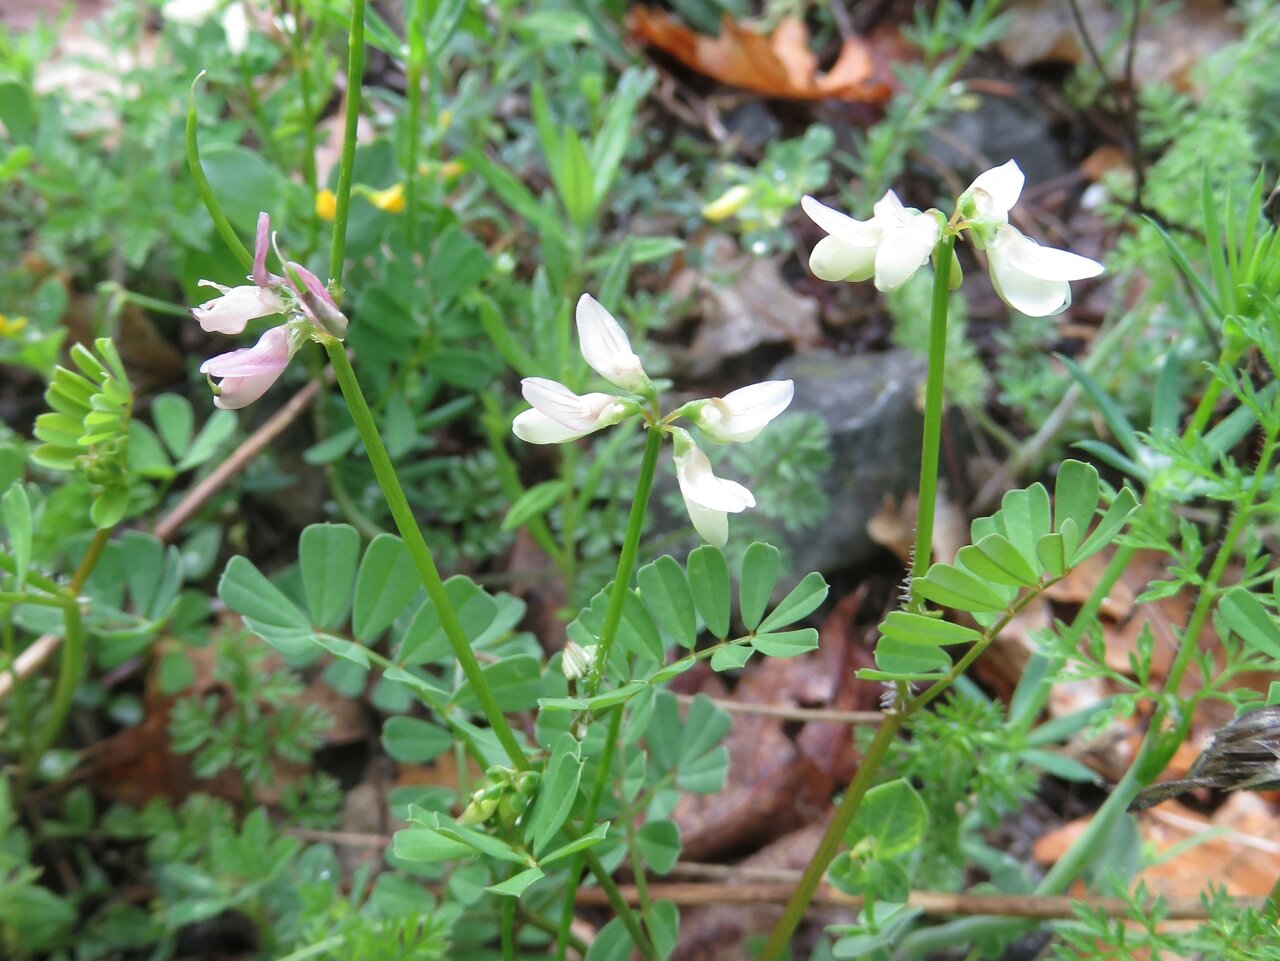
(247, 374)
(560, 415)
(606, 348)
(740, 415)
(229, 312)
(317, 300)
(890, 247)
(708, 499)
(1031, 278)
(262, 242)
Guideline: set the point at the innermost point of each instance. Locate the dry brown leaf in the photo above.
(779, 64)
(743, 301)
(1246, 858)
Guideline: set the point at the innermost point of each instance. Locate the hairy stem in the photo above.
(932, 442)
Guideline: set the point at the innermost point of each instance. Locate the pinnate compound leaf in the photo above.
(908, 661)
(709, 582)
(327, 557)
(517, 884)
(385, 585)
(1246, 616)
(912, 628)
(413, 740)
(265, 609)
(590, 839)
(994, 558)
(760, 565)
(557, 792)
(659, 844)
(786, 643)
(801, 602)
(1107, 529)
(731, 657)
(956, 588)
(1075, 494)
(665, 592)
(426, 845)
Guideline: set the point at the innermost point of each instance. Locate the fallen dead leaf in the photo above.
(779, 64)
(743, 301)
(1245, 857)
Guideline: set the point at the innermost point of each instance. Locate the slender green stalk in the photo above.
(418, 550)
(588, 820)
(832, 838)
(542, 923)
(932, 442)
(627, 559)
(829, 846)
(346, 169)
(220, 222)
(413, 80)
(621, 908)
(509, 927)
(71, 665)
(309, 174)
(25, 597)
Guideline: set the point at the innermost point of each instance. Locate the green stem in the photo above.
(509, 927)
(203, 187)
(346, 170)
(309, 173)
(413, 79)
(418, 550)
(932, 441)
(621, 908)
(627, 559)
(588, 820)
(829, 846)
(536, 920)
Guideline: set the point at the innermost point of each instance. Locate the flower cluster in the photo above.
(558, 415)
(246, 374)
(898, 240)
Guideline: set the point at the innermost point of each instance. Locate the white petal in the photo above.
(535, 427)
(890, 210)
(230, 312)
(833, 259)
(606, 348)
(858, 233)
(701, 486)
(1046, 263)
(555, 400)
(905, 250)
(995, 191)
(712, 526)
(741, 414)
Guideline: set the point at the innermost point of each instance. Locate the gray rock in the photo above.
(869, 404)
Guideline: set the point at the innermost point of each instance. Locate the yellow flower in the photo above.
(9, 328)
(326, 204)
(390, 200)
(727, 204)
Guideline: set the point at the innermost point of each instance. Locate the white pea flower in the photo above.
(560, 415)
(741, 414)
(709, 499)
(1028, 277)
(891, 246)
(606, 348)
(232, 310)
